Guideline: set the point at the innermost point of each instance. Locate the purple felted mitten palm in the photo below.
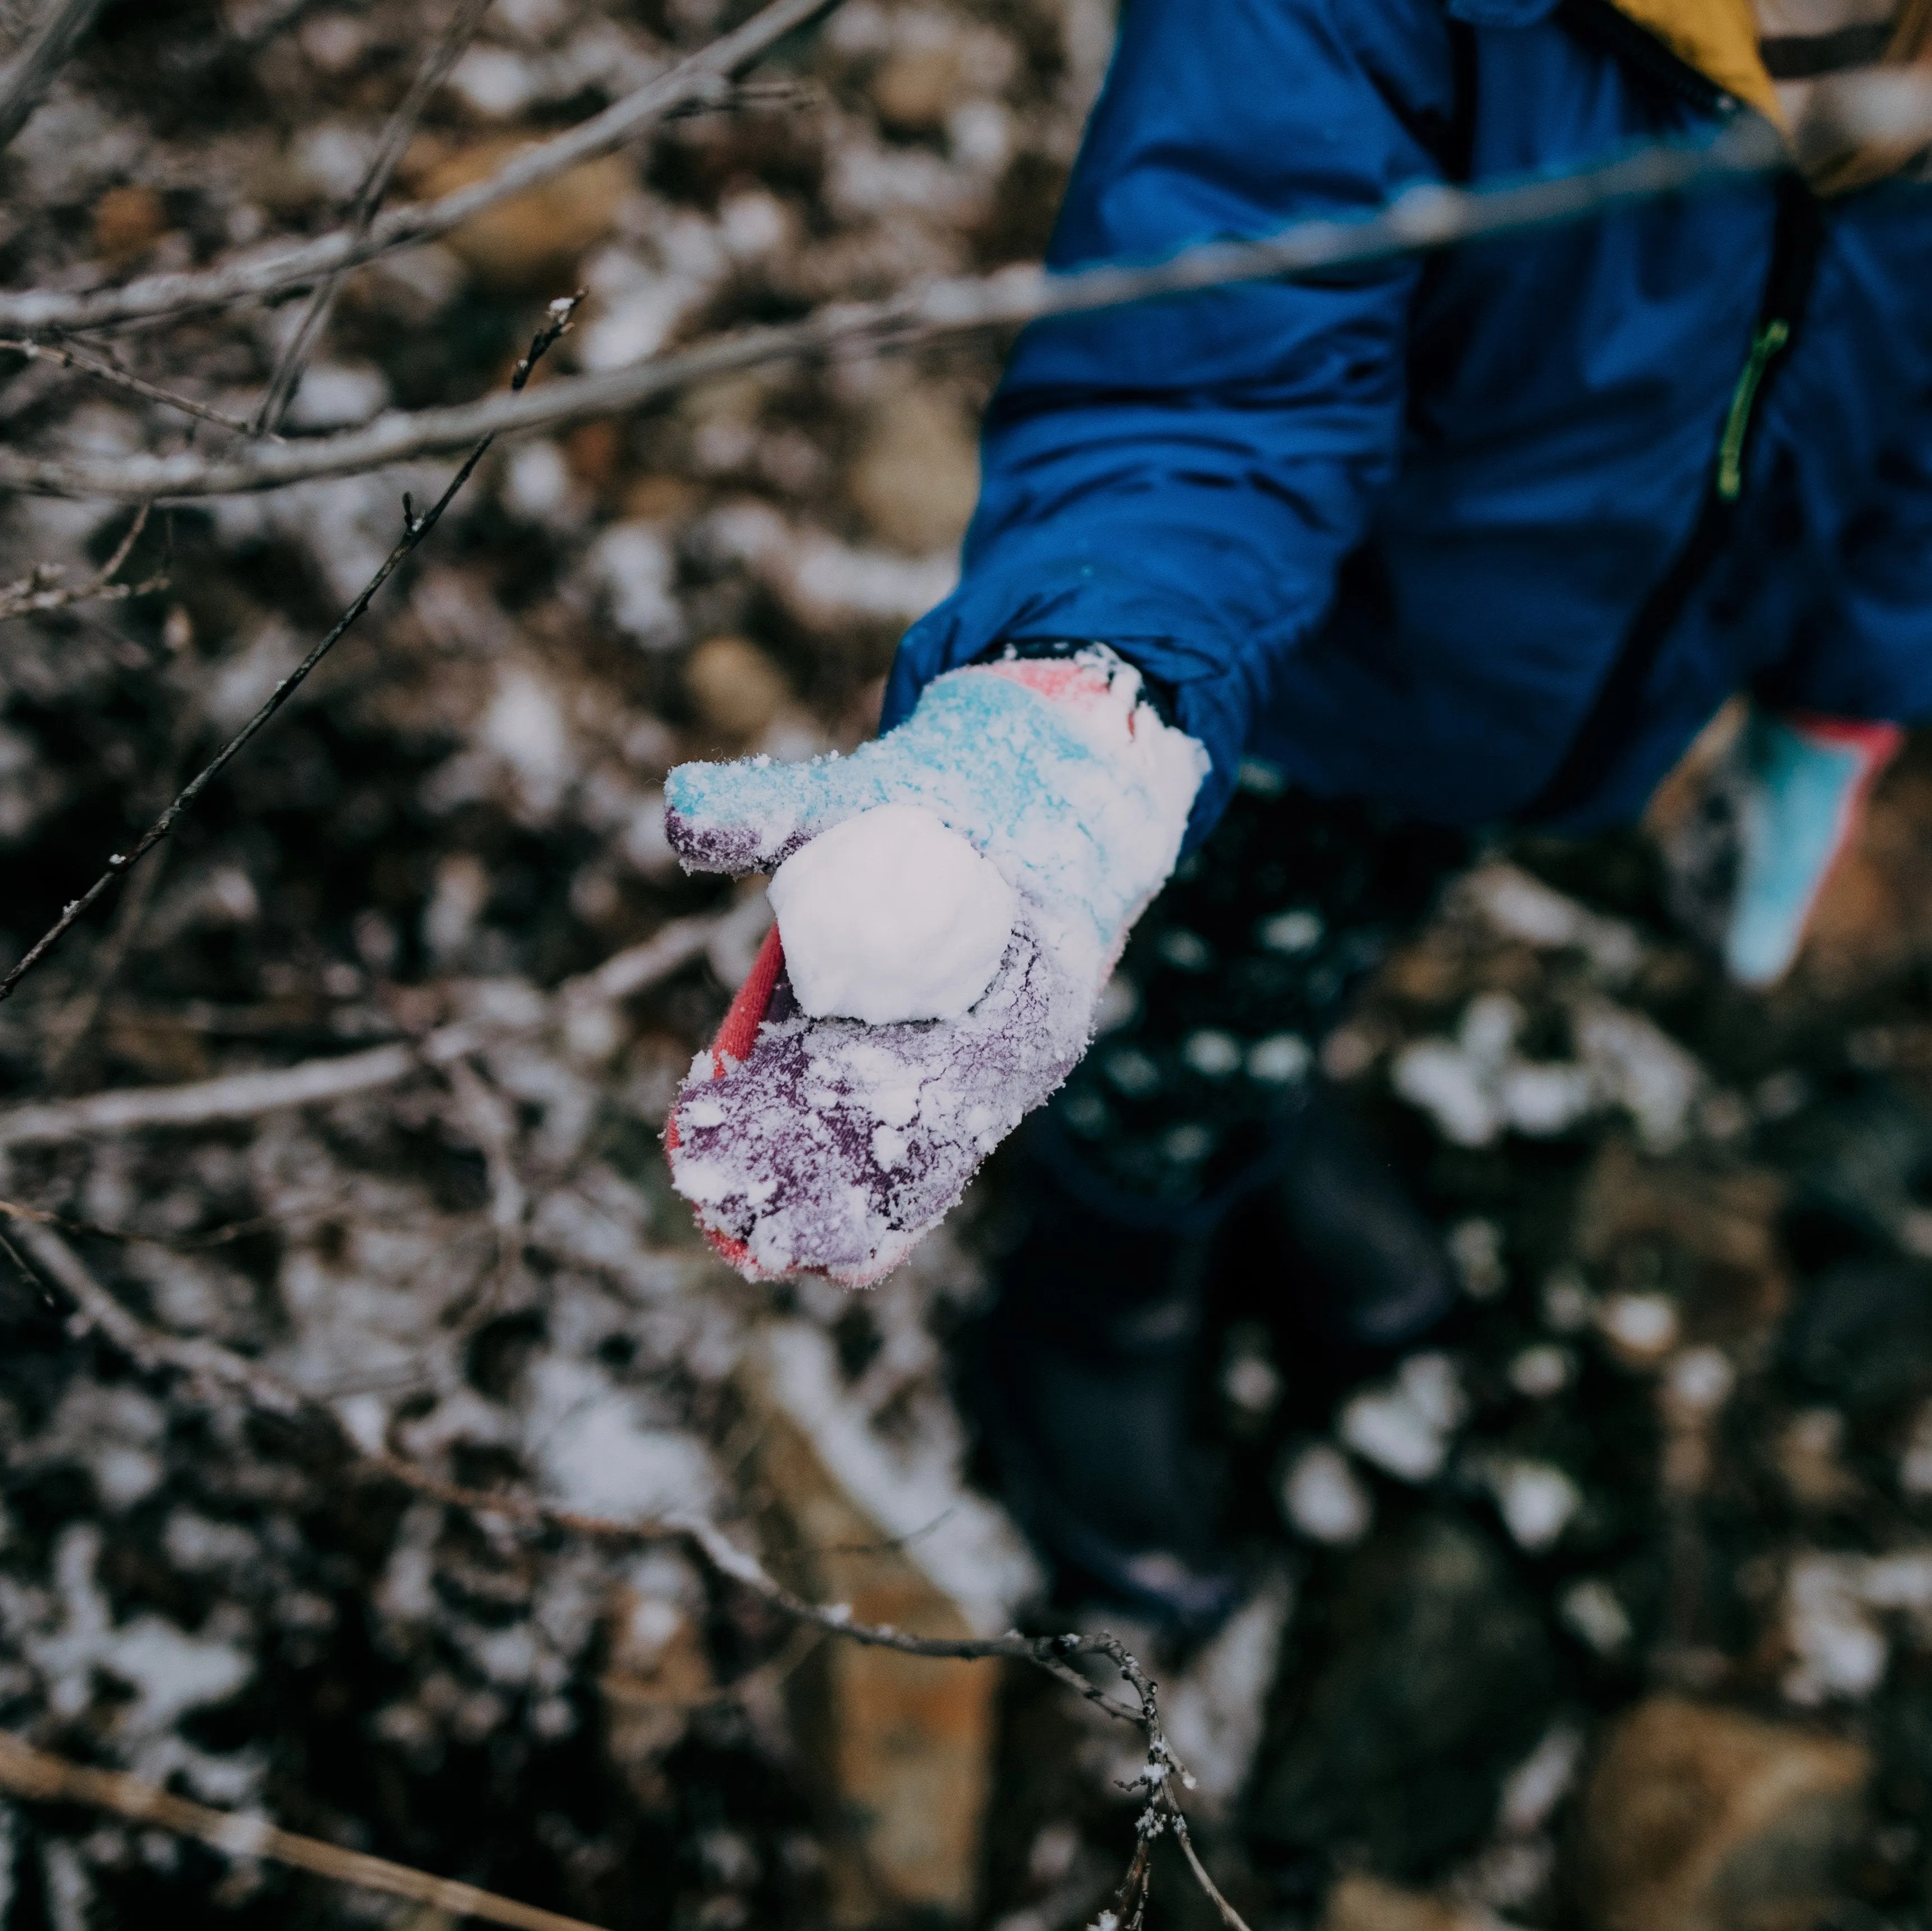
(830, 1146)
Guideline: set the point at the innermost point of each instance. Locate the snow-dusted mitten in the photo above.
(1805, 782)
(829, 1145)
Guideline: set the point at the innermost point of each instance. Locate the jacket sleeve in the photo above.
(1182, 478)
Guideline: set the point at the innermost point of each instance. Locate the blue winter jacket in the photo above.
(1392, 531)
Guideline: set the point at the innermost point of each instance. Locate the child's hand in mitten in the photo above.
(830, 1145)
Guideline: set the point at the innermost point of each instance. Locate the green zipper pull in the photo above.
(1765, 344)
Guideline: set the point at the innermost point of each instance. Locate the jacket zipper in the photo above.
(1765, 344)
(1637, 48)
(1618, 707)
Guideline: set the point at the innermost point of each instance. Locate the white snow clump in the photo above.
(890, 916)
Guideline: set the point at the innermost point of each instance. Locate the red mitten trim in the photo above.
(740, 1031)
(732, 1045)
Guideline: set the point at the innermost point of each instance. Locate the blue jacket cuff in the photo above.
(1168, 636)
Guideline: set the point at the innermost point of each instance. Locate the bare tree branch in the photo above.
(237, 1096)
(416, 528)
(1421, 219)
(703, 77)
(457, 33)
(39, 1776)
(39, 590)
(45, 52)
(129, 384)
(315, 1082)
(206, 1363)
(489, 1121)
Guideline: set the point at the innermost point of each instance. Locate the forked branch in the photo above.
(39, 1776)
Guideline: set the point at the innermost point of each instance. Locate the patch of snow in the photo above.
(1639, 1067)
(1212, 1711)
(524, 726)
(1537, 1500)
(978, 1559)
(337, 395)
(1404, 1428)
(538, 485)
(1837, 1649)
(598, 1454)
(1594, 1612)
(822, 581)
(1700, 1380)
(1523, 908)
(1212, 1054)
(1641, 1327)
(1541, 1371)
(1292, 932)
(1280, 1060)
(632, 566)
(1324, 1498)
(115, 1433)
(1532, 1790)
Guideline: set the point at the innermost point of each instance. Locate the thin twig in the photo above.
(317, 1082)
(415, 529)
(24, 85)
(701, 78)
(38, 591)
(112, 377)
(483, 1113)
(180, 1243)
(1421, 219)
(69, 1030)
(1230, 1917)
(206, 1363)
(287, 374)
(41, 1777)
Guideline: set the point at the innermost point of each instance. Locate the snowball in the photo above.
(891, 917)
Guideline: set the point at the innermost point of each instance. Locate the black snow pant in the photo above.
(1210, 1031)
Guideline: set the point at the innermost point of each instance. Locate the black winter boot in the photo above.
(1371, 1274)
